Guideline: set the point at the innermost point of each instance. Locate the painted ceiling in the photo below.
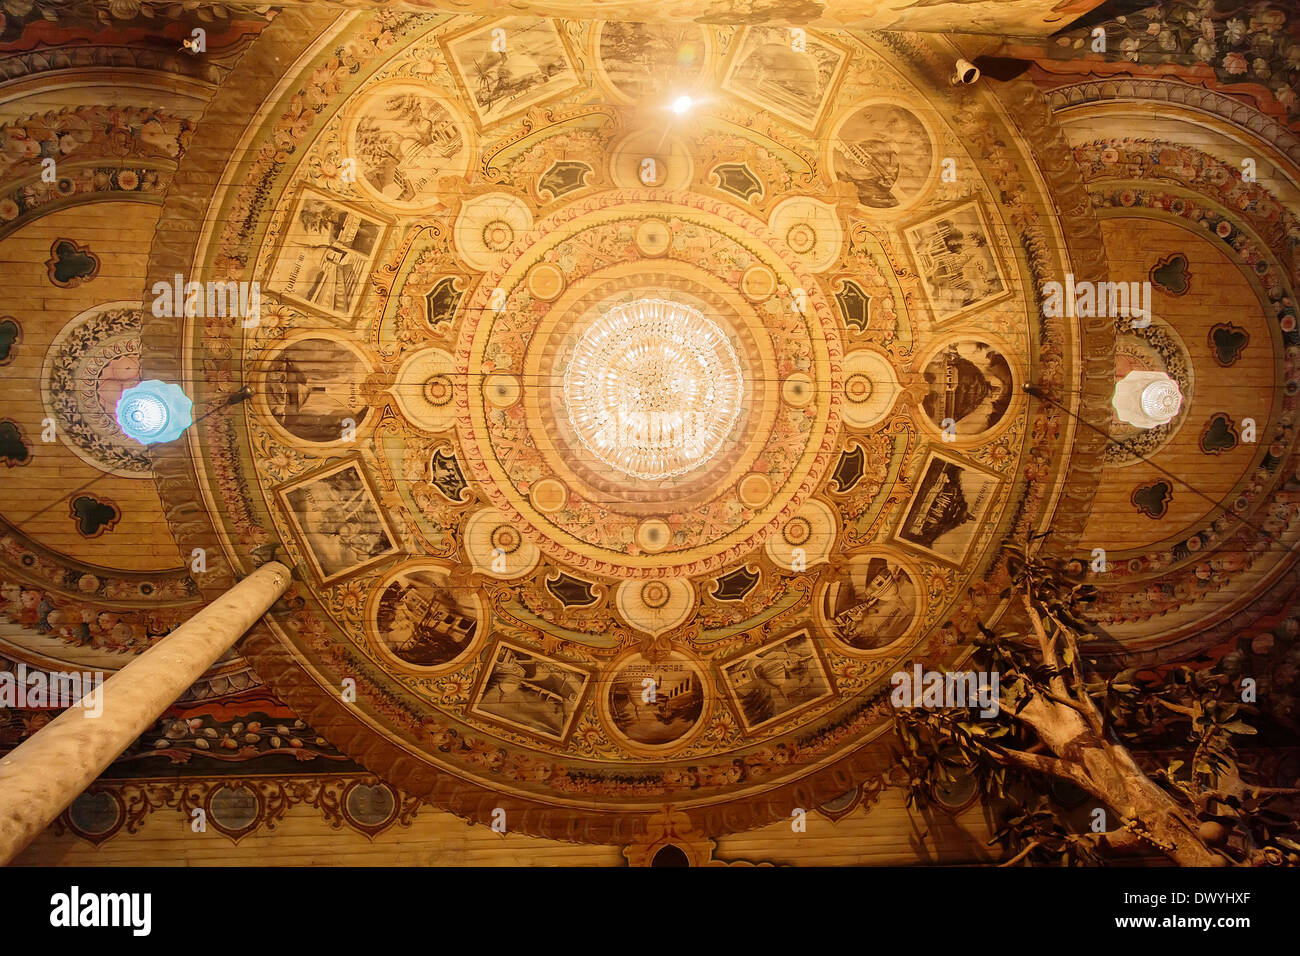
(1017, 17)
(460, 228)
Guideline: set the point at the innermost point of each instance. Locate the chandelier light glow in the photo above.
(154, 411)
(653, 388)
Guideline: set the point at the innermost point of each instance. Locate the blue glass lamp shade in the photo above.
(154, 411)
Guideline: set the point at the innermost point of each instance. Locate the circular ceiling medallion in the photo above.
(657, 606)
(811, 229)
(496, 547)
(422, 620)
(654, 594)
(497, 235)
(438, 390)
(424, 390)
(653, 237)
(501, 390)
(655, 706)
(653, 535)
(545, 281)
(403, 139)
(92, 359)
(656, 468)
(970, 387)
(801, 237)
(874, 604)
(549, 495)
(870, 388)
(1155, 347)
(755, 490)
(653, 389)
(797, 390)
(758, 283)
(657, 411)
(805, 539)
(488, 225)
(797, 531)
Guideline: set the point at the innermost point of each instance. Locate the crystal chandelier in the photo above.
(653, 388)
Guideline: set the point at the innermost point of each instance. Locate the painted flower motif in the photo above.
(1204, 50)
(1261, 68)
(1235, 31)
(851, 670)
(327, 173)
(1268, 21)
(311, 627)
(277, 316)
(455, 687)
(8, 210)
(278, 460)
(354, 595)
(1261, 43)
(325, 82)
(128, 180)
(524, 767)
(484, 753)
(34, 722)
(1235, 64)
(678, 779)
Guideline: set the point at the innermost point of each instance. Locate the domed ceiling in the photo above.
(632, 400)
(629, 399)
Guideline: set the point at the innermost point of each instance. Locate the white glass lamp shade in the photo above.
(154, 411)
(1147, 399)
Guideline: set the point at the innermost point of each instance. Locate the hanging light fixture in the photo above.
(653, 388)
(1147, 399)
(154, 411)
